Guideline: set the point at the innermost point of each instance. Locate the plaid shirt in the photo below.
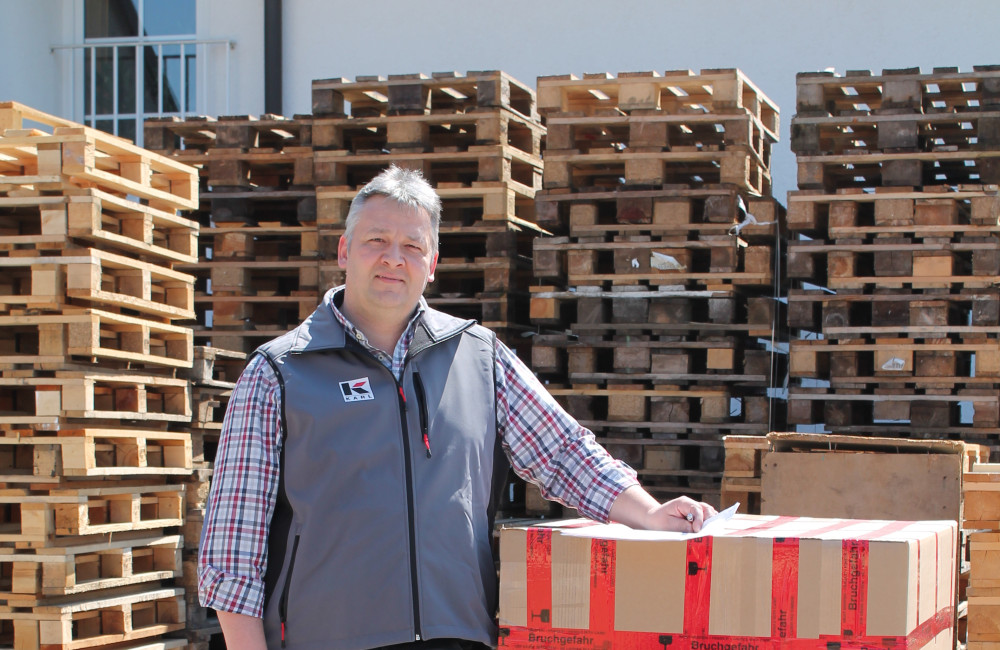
(544, 443)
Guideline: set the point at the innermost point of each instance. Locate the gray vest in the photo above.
(377, 540)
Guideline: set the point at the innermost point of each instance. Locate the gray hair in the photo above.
(409, 188)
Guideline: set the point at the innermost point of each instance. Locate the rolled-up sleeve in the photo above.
(548, 447)
(232, 556)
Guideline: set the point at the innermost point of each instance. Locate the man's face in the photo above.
(390, 259)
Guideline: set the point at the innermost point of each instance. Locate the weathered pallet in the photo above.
(717, 91)
(99, 622)
(51, 400)
(38, 575)
(859, 92)
(50, 341)
(415, 94)
(39, 519)
(667, 310)
(675, 211)
(290, 205)
(83, 155)
(263, 169)
(463, 204)
(215, 367)
(924, 409)
(427, 133)
(938, 211)
(737, 165)
(965, 131)
(27, 456)
(265, 241)
(172, 135)
(870, 170)
(478, 163)
(815, 309)
(624, 402)
(921, 259)
(94, 216)
(91, 275)
(656, 130)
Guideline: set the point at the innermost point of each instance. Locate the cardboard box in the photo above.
(756, 583)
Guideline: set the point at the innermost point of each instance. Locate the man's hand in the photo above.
(636, 508)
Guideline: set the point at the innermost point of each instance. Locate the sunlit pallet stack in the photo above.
(90, 295)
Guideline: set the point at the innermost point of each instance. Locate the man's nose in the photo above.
(393, 255)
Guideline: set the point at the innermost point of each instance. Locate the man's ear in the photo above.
(434, 263)
(342, 252)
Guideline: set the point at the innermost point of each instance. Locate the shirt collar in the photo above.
(337, 300)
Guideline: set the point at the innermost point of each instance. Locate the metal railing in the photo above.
(199, 49)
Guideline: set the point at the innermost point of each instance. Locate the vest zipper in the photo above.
(283, 603)
(411, 518)
(418, 385)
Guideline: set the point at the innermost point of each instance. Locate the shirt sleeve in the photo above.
(232, 556)
(549, 448)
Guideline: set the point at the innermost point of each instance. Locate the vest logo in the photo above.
(356, 390)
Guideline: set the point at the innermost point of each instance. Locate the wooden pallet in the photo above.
(478, 163)
(104, 621)
(28, 456)
(92, 275)
(936, 211)
(427, 133)
(33, 520)
(263, 169)
(173, 135)
(290, 205)
(415, 94)
(264, 241)
(86, 156)
(93, 216)
(981, 496)
(922, 412)
(31, 399)
(870, 170)
(673, 211)
(611, 169)
(943, 90)
(718, 91)
(38, 576)
(463, 204)
(52, 341)
(895, 311)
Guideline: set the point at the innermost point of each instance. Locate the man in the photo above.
(351, 505)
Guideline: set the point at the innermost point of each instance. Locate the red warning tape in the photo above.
(602, 635)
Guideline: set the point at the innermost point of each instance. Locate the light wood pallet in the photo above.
(92, 275)
(984, 583)
(871, 170)
(34, 520)
(28, 456)
(216, 367)
(34, 221)
(50, 342)
(87, 624)
(720, 91)
(32, 398)
(742, 474)
(176, 136)
(415, 94)
(38, 576)
(73, 154)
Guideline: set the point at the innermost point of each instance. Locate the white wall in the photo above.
(241, 21)
(31, 73)
(770, 40)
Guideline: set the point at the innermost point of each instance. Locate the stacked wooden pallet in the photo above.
(982, 523)
(657, 188)
(898, 258)
(476, 137)
(256, 271)
(89, 544)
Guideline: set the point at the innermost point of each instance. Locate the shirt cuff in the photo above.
(605, 489)
(230, 593)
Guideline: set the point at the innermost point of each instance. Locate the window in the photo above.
(139, 60)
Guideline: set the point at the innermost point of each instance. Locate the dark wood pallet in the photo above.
(172, 135)
(417, 94)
